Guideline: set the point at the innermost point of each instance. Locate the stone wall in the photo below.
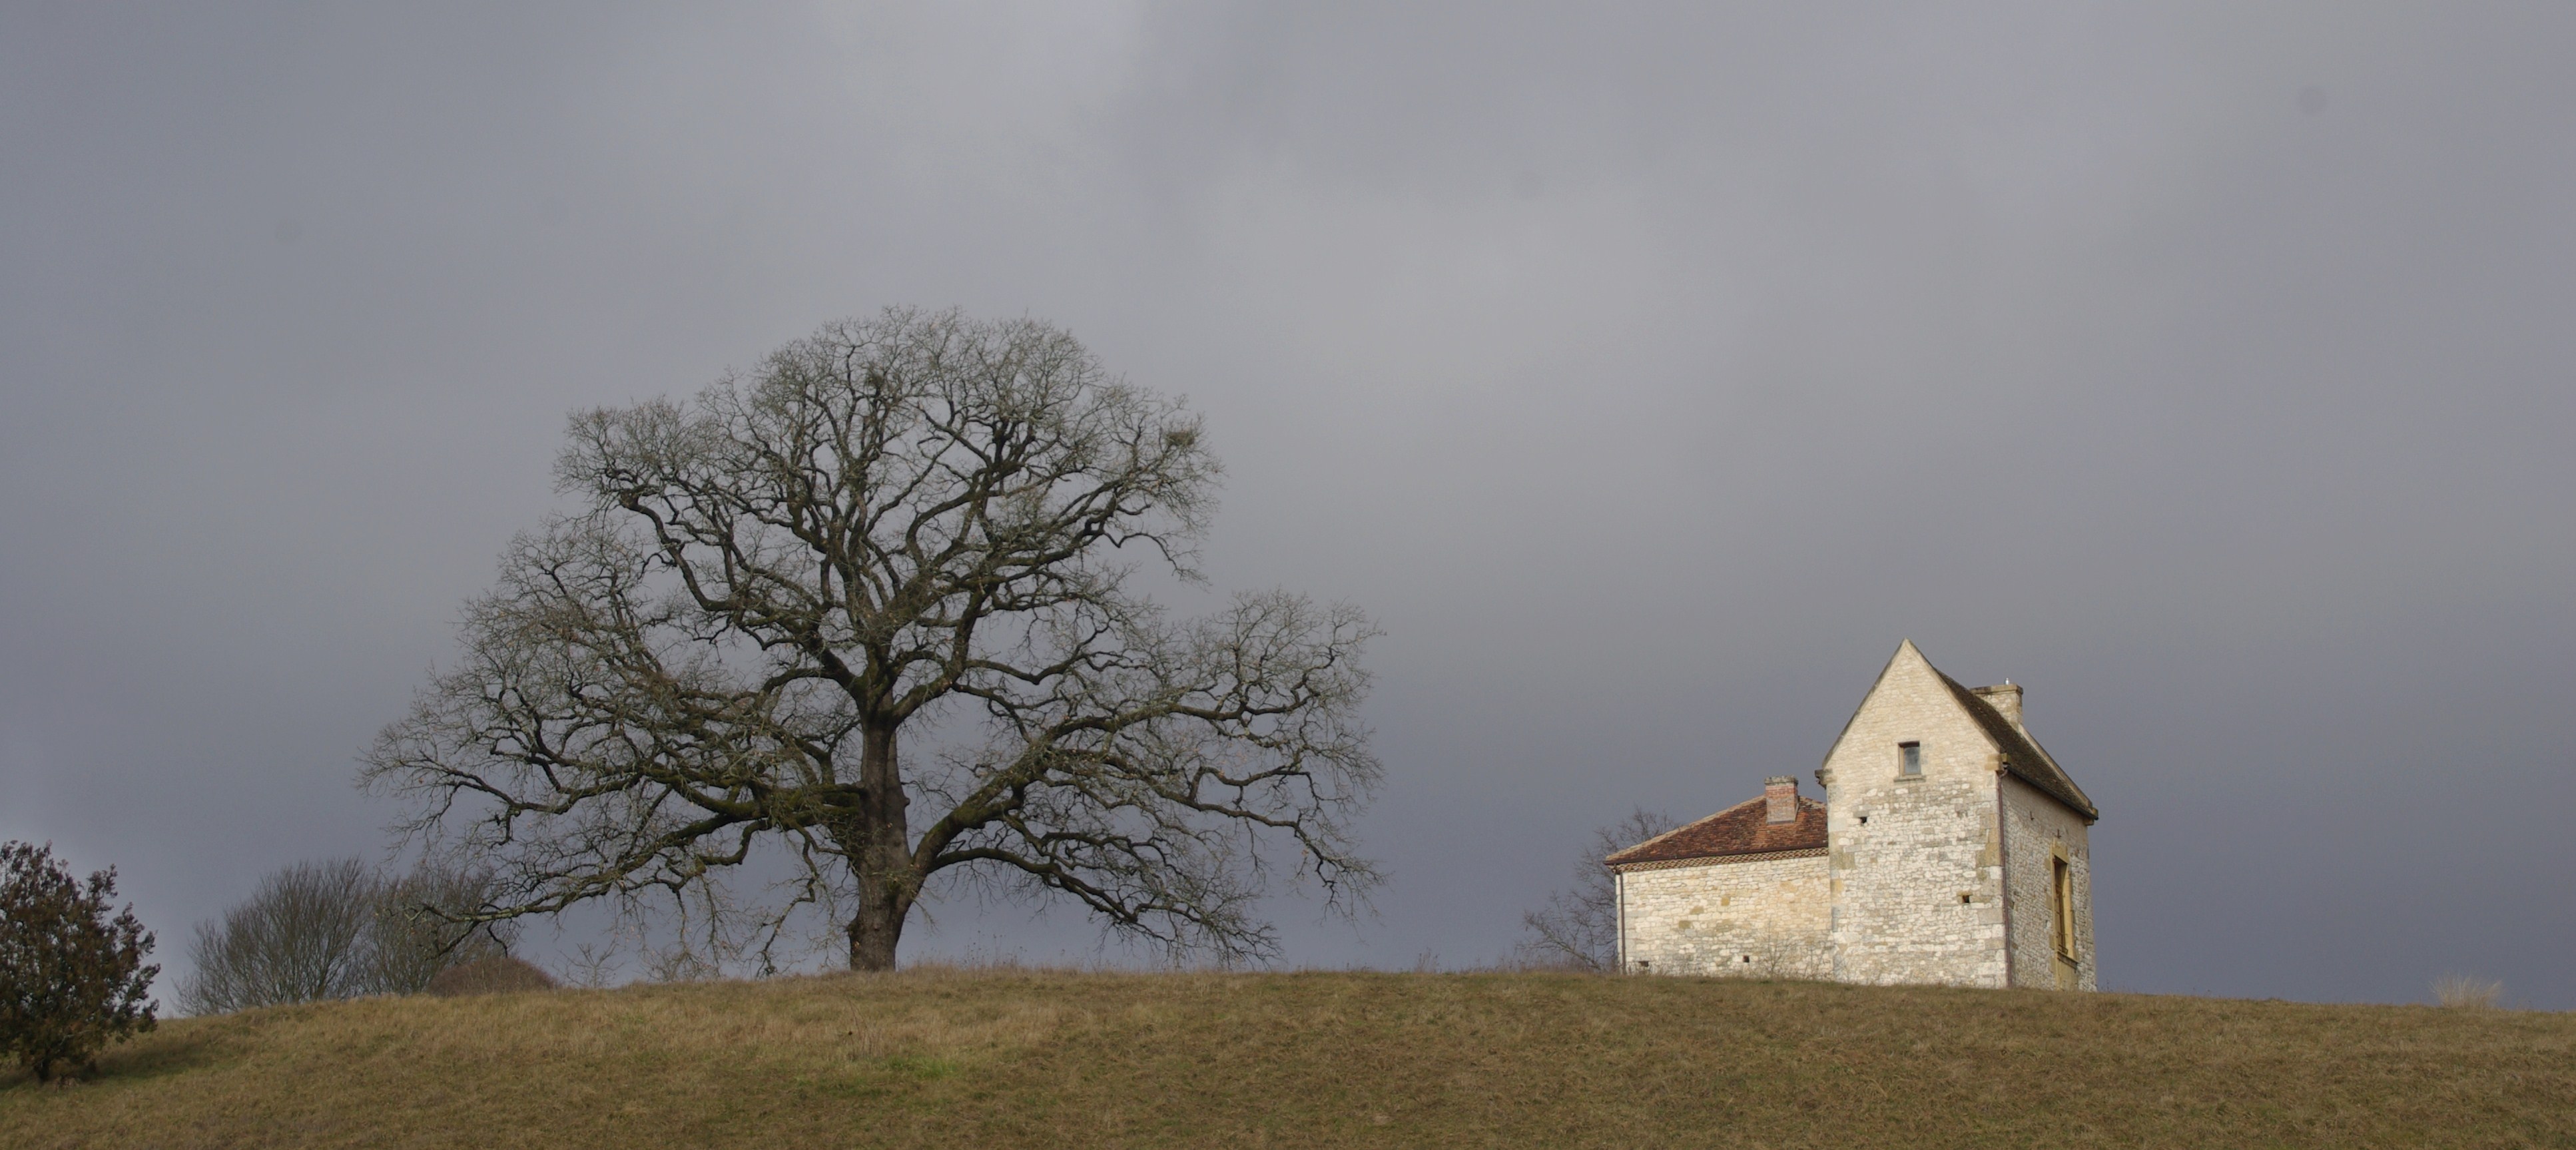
(2036, 829)
(1916, 878)
(1760, 919)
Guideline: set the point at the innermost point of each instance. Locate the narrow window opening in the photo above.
(2062, 923)
(1909, 758)
(1963, 900)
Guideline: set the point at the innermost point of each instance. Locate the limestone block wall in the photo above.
(2036, 829)
(1915, 862)
(1765, 918)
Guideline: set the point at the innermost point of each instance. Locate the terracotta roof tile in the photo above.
(1742, 829)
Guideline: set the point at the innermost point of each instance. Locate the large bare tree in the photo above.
(873, 605)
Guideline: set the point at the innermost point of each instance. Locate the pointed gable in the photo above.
(2022, 755)
(1904, 647)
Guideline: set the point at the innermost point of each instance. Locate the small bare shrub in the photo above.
(1578, 928)
(412, 932)
(300, 937)
(2461, 992)
(500, 974)
(339, 929)
(681, 962)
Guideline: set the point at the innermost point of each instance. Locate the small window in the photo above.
(2061, 925)
(1909, 758)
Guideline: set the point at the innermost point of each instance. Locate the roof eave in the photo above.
(2083, 809)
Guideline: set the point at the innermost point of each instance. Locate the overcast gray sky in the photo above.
(1648, 371)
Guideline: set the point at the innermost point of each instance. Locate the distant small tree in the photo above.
(72, 978)
(421, 926)
(298, 938)
(1579, 927)
(338, 929)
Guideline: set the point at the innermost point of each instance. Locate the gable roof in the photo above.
(2023, 756)
(1742, 829)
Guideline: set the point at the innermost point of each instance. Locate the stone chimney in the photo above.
(2006, 699)
(1781, 793)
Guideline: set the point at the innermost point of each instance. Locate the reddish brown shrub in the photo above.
(72, 976)
(501, 974)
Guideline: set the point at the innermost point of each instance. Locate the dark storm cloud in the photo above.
(1649, 372)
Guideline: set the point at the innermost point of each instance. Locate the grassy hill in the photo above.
(1031, 1058)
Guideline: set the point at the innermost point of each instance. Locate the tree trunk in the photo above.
(881, 856)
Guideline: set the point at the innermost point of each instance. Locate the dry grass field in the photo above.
(1035, 1058)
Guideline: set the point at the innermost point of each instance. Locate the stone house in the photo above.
(1949, 848)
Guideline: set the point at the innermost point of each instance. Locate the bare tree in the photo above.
(419, 926)
(776, 596)
(1579, 927)
(337, 929)
(298, 938)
